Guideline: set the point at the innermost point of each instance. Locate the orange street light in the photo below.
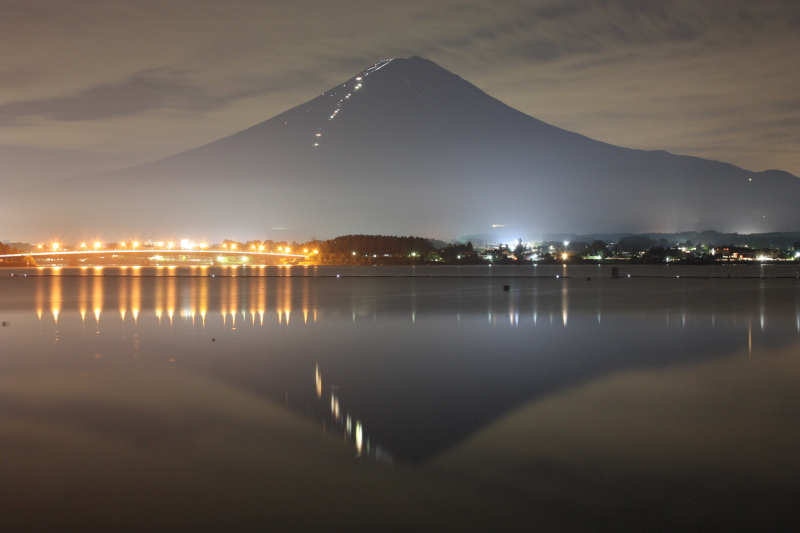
(96, 245)
(261, 248)
(170, 245)
(123, 245)
(83, 245)
(134, 244)
(55, 246)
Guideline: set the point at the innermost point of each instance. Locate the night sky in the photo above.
(98, 85)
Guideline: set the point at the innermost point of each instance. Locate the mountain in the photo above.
(406, 147)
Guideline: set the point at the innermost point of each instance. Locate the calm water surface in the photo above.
(314, 398)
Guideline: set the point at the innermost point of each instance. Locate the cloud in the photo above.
(161, 89)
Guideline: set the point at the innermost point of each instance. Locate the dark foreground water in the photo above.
(394, 398)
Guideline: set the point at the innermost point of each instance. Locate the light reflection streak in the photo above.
(97, 295)
(136, 295)
(39, 297)
(55, 295)
(350, 427)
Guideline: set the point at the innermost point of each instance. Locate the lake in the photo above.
(478, 398)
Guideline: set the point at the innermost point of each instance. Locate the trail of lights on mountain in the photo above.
(359, 80)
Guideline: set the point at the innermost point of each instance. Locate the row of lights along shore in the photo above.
(161, 245)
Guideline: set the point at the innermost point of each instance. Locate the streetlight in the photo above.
(134, 244)
(233, 246)
(55, 246)
(260, 247)
(123, 245)
(170, 245)
(96, 245)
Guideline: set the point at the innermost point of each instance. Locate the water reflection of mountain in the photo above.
(423, 361)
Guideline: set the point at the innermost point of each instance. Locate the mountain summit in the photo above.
(406, 147)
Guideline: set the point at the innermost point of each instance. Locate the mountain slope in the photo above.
(406, 147)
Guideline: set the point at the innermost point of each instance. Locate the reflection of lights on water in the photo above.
(318, 380)
(334, 406)
(359, 438)
(350, 427)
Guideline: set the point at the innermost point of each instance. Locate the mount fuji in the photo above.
(405, 147)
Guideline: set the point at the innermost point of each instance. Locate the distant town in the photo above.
(392, 250)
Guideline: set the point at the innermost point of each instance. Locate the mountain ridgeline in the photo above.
(406, 147)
